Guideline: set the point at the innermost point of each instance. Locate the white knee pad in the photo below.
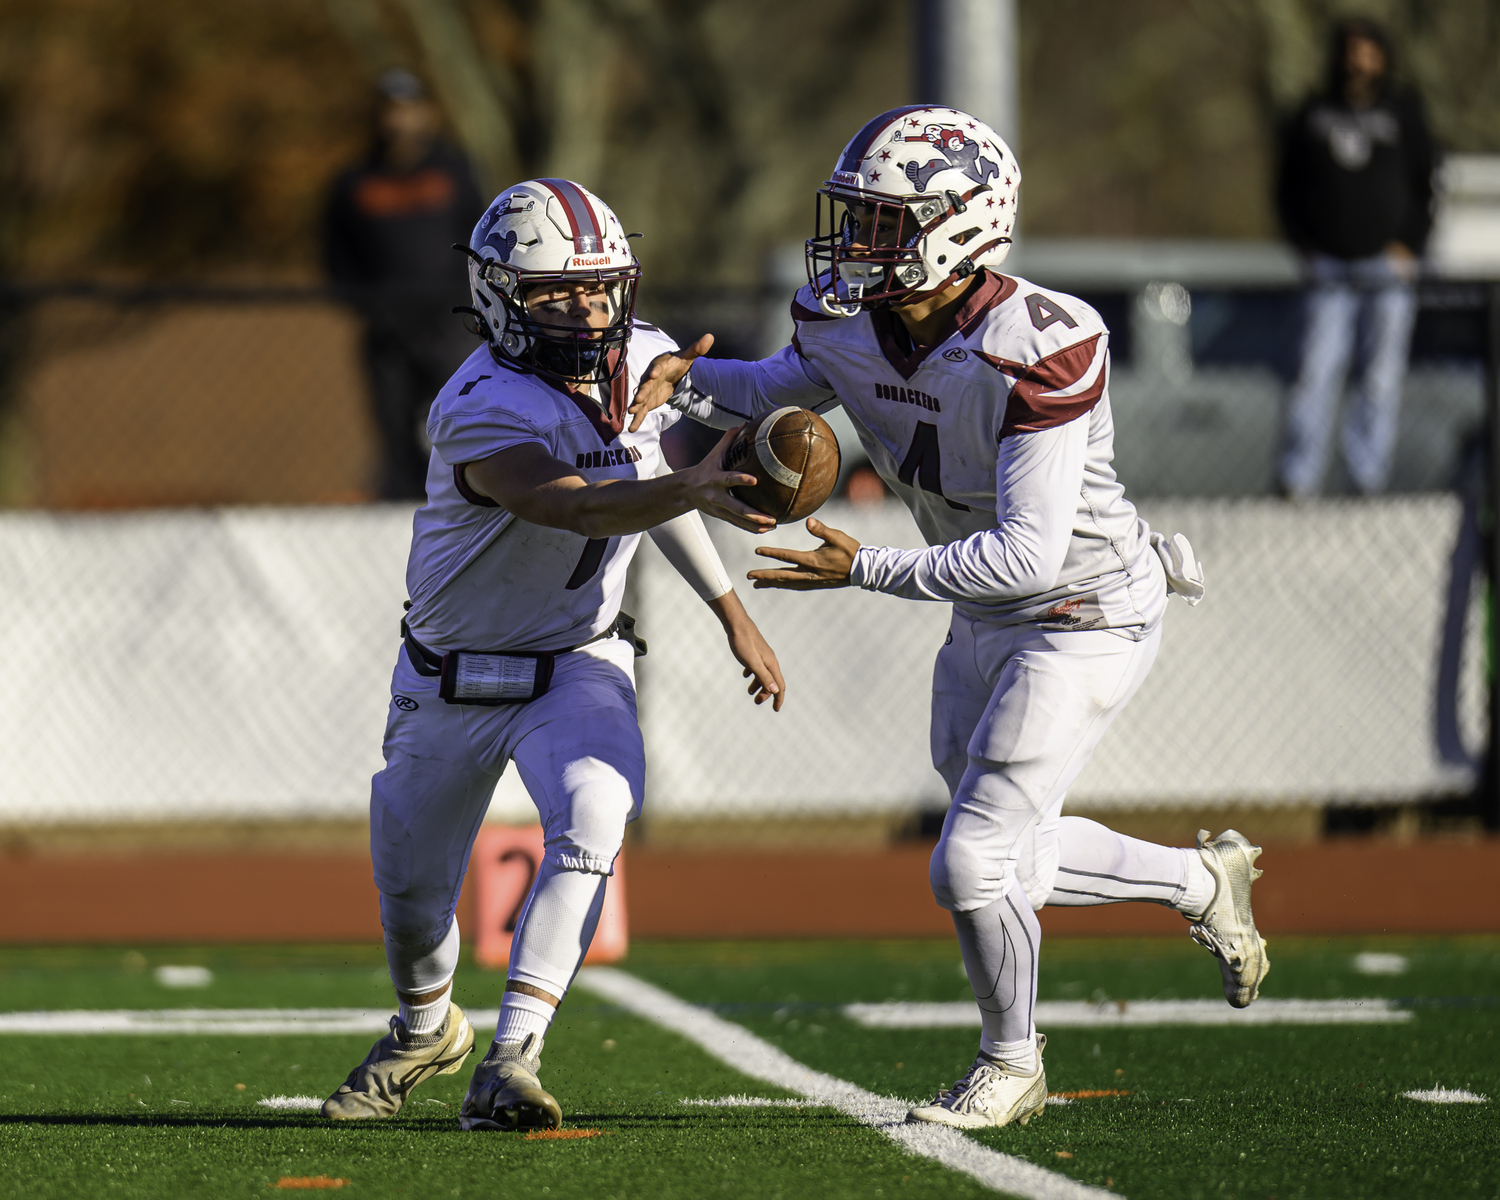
(585, 830)
(963, 878)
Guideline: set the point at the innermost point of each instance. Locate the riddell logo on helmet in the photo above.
(848, 177)
(601, 261)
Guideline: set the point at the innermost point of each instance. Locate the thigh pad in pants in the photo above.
(1053, 699)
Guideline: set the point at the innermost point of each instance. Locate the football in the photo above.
(794, 456)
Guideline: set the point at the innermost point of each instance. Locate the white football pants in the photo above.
(1016, 714)
(580, 754)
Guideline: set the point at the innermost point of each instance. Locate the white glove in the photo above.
(1184, 572)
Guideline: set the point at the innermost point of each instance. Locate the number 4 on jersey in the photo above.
(924, 464)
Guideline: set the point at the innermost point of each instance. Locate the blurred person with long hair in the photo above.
(391, 223)
(1355, 197)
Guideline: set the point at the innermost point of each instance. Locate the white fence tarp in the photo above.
(235, 663)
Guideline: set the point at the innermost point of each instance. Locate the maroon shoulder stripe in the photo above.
(1033, 403)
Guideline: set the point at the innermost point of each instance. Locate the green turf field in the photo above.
(1212, 1112)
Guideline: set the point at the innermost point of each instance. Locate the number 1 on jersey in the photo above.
(588, 563)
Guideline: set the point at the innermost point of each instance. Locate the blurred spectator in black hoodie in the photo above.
(1355, 197)
(390, 226)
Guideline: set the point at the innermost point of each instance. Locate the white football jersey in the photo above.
(481, 578)
(999, 439)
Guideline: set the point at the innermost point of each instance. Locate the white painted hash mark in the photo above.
(292, 1103)
(183, 977)
(1370, 963)
(1440, 1095)
(747, 1102)
(1085, 1014)
(739, 1048)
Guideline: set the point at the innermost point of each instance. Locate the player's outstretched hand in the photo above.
(751, 649)
(662, 377)
(826, 567)
(708, 487)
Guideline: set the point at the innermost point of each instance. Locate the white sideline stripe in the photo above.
(1447, 1096)
(747, 1102)
(259, 1021)
(739, 1048)
(1065, 1014)
(292, 1103)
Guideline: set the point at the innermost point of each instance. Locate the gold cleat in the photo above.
(1227, 927)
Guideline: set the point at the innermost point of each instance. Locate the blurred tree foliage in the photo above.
(193, 138)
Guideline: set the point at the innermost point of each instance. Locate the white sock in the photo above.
(1018, 1056)
(520, 1015)
(1198, 892)
(1096, 865)
(424, 1018)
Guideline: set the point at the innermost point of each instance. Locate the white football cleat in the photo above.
(990, 1094)
(1227, 927)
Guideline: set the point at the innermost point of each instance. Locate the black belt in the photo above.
(429, 662)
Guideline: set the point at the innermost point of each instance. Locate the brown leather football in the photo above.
(794, 455)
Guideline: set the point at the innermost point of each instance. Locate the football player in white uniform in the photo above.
(515, 649)
(982, 401)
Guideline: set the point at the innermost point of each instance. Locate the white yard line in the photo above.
(1064, 1014)
(261, 1021)
(739, 1048)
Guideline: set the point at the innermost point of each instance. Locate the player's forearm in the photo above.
(730, 611)
(609, 507)
(995, 564)
(724, 392)
(1037, 481)
(684, 542)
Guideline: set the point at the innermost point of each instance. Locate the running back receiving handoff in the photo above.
(983, 402)
(514, 646)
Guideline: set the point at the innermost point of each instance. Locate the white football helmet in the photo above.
(942, 184)
(552, 231)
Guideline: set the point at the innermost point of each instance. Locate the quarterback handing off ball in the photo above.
(794, 455)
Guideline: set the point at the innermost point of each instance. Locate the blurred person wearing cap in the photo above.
(1354, 195)
(389, 229)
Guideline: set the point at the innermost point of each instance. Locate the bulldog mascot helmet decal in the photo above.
(552, 231)
(921, 197)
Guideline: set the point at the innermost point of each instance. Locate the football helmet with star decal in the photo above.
(539, 243)
(921, 197)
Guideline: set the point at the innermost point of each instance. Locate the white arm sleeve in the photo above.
(685, 544)
(1038, 477)
(724, 392)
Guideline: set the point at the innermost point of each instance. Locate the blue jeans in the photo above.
(1357, 312)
